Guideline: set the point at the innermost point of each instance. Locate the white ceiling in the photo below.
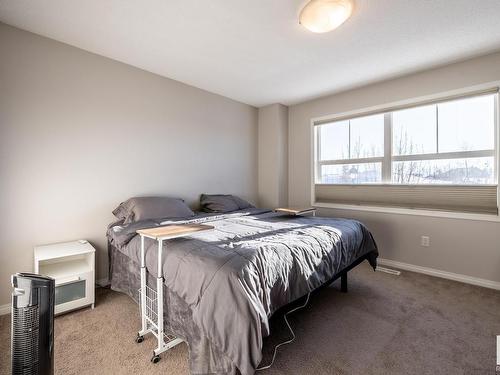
(255, 51)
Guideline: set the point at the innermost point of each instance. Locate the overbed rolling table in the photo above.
(151, 301)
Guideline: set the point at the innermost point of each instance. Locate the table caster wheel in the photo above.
(139, 339)
(155, 359)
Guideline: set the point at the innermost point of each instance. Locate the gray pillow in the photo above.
(144, 208)
(222, 203)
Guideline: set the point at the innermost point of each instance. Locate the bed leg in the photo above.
(343, 283)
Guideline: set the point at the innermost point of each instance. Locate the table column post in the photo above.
(143, 288)
(159, 291)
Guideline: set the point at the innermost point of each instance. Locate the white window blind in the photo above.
(438, 155)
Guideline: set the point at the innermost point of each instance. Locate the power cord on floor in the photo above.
(291, 331)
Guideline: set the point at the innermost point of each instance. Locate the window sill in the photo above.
(410, 211)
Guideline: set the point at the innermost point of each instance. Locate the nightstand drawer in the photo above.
(74, 292)
(70, 291)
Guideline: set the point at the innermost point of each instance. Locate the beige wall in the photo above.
(460, 246)
(273, 155)
(79, 133)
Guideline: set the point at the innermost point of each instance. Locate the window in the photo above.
(447, 143)
(351, 151)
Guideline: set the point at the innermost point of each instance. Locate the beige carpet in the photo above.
(411, 324)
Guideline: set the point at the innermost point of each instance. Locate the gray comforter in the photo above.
(230, 280)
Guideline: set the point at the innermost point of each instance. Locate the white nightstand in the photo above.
(72, 265)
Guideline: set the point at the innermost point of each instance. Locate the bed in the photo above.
(222, 286)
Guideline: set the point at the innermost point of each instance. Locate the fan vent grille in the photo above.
(25, 331)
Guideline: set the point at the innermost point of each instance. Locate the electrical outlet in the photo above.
(425, 241)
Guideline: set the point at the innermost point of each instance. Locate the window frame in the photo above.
(387, 159)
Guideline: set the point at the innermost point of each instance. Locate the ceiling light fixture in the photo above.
(321, 16)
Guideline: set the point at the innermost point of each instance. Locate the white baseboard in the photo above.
(443, 274)
(5, 309)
